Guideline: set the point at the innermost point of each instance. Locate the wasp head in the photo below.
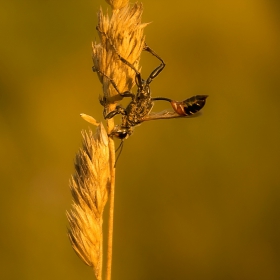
(121, 132)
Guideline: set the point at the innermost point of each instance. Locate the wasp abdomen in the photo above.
(189, 106)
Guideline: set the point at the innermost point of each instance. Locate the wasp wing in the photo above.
(166, 114)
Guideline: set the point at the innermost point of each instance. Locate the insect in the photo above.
(141, 104)
(138, 110)
(185, 108)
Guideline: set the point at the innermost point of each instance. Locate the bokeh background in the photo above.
(196, 198)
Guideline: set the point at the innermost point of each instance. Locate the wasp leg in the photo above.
(116, 51)
(138, 74)
(123, 94)
(138, 77)
(158, 69)
(118, 110)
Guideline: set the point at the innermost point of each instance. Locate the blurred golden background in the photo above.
(195, 198)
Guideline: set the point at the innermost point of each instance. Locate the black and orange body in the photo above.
(139, 109)
(189, 106)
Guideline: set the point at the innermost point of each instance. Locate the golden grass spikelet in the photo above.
(94, 178)
(123, 32)
(89, 188)
(120, 34)
(117, 4)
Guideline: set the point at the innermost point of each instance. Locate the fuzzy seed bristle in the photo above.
(89, 188)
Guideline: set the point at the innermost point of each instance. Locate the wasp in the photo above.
(141, 104)
(139, 108)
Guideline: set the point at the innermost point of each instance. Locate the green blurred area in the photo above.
(196, 198)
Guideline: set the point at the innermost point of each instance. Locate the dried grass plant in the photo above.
(89, 188)
(94, 178)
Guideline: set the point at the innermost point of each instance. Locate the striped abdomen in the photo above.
(189, 106)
